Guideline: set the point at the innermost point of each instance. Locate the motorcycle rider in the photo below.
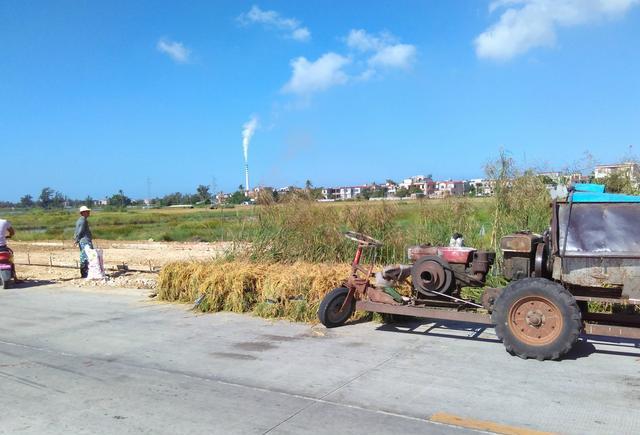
(7, 231)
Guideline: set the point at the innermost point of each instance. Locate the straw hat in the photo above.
(84, 208)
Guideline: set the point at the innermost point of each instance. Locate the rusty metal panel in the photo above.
(597, 271)
(519, 242)
(600, 230)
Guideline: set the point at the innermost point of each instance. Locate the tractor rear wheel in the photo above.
(537, 318)
(329, 312)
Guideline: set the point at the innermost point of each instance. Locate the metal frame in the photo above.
(600, 324)
(590, 327)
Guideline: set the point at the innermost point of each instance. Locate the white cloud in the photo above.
(394, 56)
(273, 19)
(385, 49)
(369, 54)
(301, 34)
(527, 24)
(175, 50)
(309, 77)
(359, 39)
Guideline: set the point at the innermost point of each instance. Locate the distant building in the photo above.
(630, 170)
(480, 186)
(222, 197)
(350, 192)
(331, 193)
(578, 178)
(412, 181)
(392, 188)
(555, 177)
(448, 188)
(346, 192)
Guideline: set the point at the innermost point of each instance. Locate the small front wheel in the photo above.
(331, 312)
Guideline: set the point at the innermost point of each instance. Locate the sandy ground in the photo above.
(57, 261)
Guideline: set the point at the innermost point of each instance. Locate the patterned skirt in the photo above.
(83, 255)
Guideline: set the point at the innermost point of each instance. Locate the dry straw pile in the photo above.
(291, 291)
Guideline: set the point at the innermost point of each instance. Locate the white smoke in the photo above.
(248, 129)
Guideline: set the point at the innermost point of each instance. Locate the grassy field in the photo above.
(157, 224)
(298, 230)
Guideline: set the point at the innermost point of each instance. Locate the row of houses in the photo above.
(420, 186)
(424, 186)
(416, 186)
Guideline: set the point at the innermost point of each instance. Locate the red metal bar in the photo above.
(356, 260)
(428, 313)
(612, 331)
(613, 318)
(484, 319)
(609, 300)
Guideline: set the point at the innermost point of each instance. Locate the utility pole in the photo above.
(213, 189)
(148, 191)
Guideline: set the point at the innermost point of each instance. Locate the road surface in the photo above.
(114, 362)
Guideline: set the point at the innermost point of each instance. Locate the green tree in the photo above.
(119, 200)
(238, 197)
(26, 201)
(618, 182)
(402, 192)
(472, 190)
(44, 200)
(547, 180)
(88, 201)
(203, 193)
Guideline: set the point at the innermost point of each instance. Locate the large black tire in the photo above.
(537, 318)
(329, 312)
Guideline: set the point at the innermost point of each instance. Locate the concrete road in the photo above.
(85, 361)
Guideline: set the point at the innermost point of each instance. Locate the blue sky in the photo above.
(101, 96)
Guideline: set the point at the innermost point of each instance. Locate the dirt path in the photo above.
(58, 261)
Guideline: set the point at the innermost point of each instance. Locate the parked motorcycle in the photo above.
(6, 268)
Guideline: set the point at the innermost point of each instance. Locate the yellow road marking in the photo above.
(489, 426)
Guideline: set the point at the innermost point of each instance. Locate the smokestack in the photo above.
(246, 177)
(248, 129)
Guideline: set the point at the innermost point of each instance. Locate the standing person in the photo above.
(82, 237)
(7, 231)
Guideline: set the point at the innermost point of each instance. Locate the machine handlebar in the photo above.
(362, 239)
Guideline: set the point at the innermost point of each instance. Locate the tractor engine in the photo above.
(526, 254)
(439, 270)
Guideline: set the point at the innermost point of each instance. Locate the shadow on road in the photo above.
(465, 331)
(440, 329)
(29, 283)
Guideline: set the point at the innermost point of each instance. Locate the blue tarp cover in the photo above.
(595, 193)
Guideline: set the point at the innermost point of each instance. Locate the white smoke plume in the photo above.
(248, 129)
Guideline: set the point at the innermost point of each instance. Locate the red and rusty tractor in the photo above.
(590, 253)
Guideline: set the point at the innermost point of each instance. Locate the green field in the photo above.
(157, 224)
(301, 229)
